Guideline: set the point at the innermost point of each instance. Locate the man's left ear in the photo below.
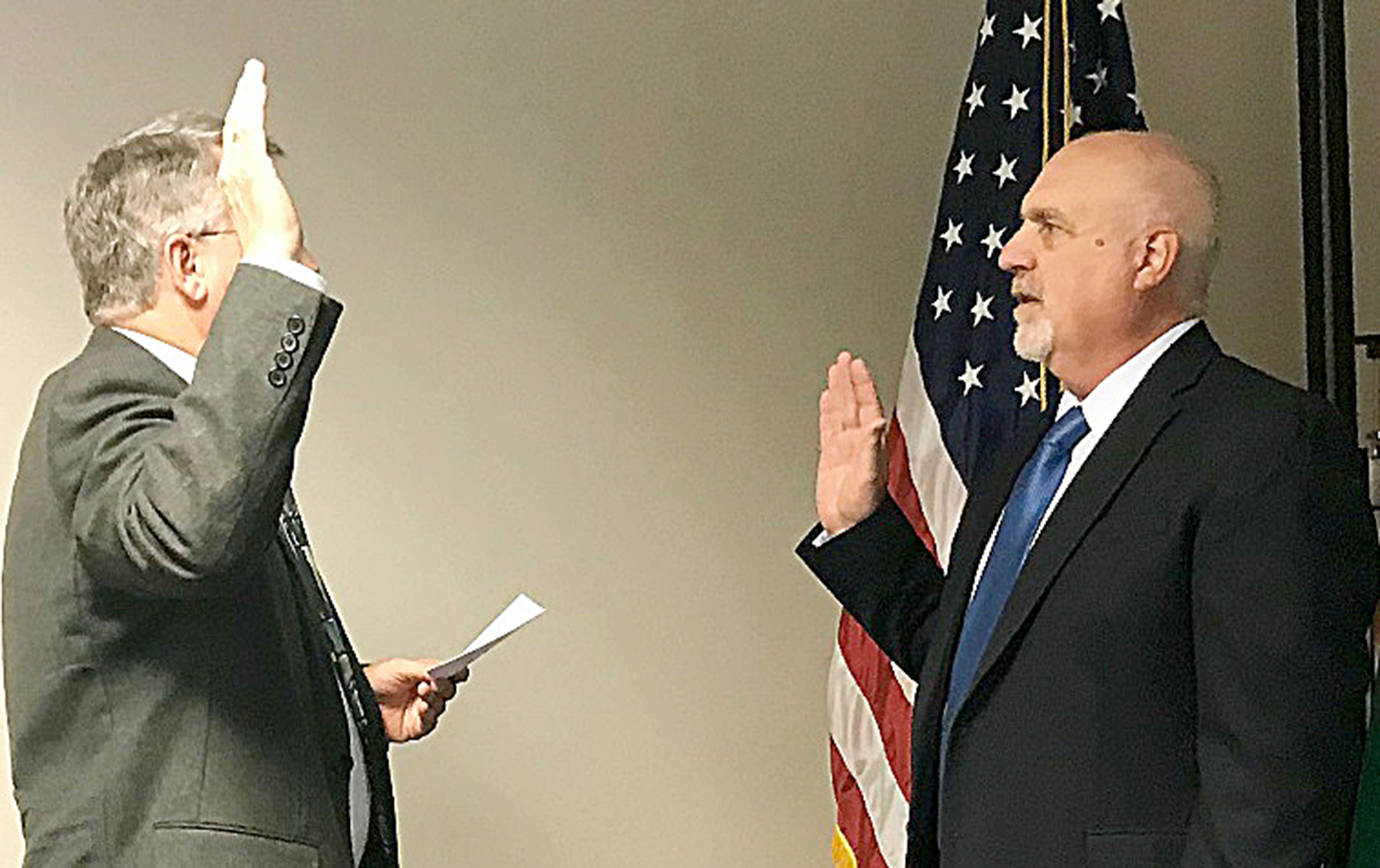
(1157, 255)
(188, 277)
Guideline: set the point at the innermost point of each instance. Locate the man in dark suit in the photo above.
(1150, 646)
(179, 689)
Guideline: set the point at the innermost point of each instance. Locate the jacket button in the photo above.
(289, 342)
(277, 379)
(282, 360)
(296, 325)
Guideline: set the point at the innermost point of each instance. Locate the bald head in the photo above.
(1163, 186)
(1117, 243)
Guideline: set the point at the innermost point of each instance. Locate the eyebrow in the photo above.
(1045, 214)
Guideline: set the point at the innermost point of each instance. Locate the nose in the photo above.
(1015, 255)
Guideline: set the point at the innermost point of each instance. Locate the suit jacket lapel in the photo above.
(979, 517)
(1154, 403)
(980, 514)
(985, 502)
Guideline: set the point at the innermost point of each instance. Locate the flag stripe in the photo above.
(963, 391)
(871, 671)
(854, 822)
(901, 487)
(940, 489)
(855, 734)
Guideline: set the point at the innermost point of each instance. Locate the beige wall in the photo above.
(594, 257)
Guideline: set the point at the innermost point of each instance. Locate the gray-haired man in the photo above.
(178, 686)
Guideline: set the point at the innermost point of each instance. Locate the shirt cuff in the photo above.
(821, 538)
(290, 269)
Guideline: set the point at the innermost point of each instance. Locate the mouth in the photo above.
(1024, 298)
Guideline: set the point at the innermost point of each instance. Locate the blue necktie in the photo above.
(1029, 499)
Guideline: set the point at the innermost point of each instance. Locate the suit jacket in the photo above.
(1179, 675)
(169, 702)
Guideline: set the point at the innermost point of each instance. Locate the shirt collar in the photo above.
(179, 361)
(1104, 402)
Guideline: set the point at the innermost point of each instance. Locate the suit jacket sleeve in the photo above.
(175, 491)
(886, 578)
(1283, 581)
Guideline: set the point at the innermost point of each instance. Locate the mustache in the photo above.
(1025, 290)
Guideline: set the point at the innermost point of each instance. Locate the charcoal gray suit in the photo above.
(170, 700)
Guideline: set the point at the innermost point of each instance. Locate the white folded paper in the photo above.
(519, 612)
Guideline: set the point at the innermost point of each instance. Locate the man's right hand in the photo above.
(260, 207)
(852, 451)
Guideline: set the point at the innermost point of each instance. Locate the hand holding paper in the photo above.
(518, 613)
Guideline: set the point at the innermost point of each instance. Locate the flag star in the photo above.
(941, 302)
(974, 99)
(1016, 102)
(1098, 77)
(969, 377)
(964, 167)
(1108, 8)
(987, 32)
(1029, 30)
(951, 235)
(993, 240)
(1135, 99)
(1005, 172)
(1077, 114)
(1027, 388)
(982, 309)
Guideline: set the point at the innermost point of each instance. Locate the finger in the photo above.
(827, 423)
(865, 392)
(244, 119)
(413, 670)
(841, 396)
(445, 688)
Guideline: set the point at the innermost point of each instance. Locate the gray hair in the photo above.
(142, 187)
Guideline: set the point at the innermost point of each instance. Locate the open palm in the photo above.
(852, 455)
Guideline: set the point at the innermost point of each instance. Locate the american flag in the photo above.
(1043, 72)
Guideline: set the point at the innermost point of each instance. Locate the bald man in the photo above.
(1150, 646)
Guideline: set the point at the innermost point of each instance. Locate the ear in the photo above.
(183, 267)
(1155, 259)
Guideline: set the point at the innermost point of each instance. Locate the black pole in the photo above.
(1325, 175)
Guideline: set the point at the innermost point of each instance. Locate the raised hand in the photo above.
(260, 207)
(852, 452)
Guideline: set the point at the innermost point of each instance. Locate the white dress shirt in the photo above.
(183, 364)
(1100, 409)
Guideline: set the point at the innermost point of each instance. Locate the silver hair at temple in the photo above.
(147, 184)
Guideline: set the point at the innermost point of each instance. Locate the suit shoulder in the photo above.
(1261, 413)
(110, 363)
(111, 377)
